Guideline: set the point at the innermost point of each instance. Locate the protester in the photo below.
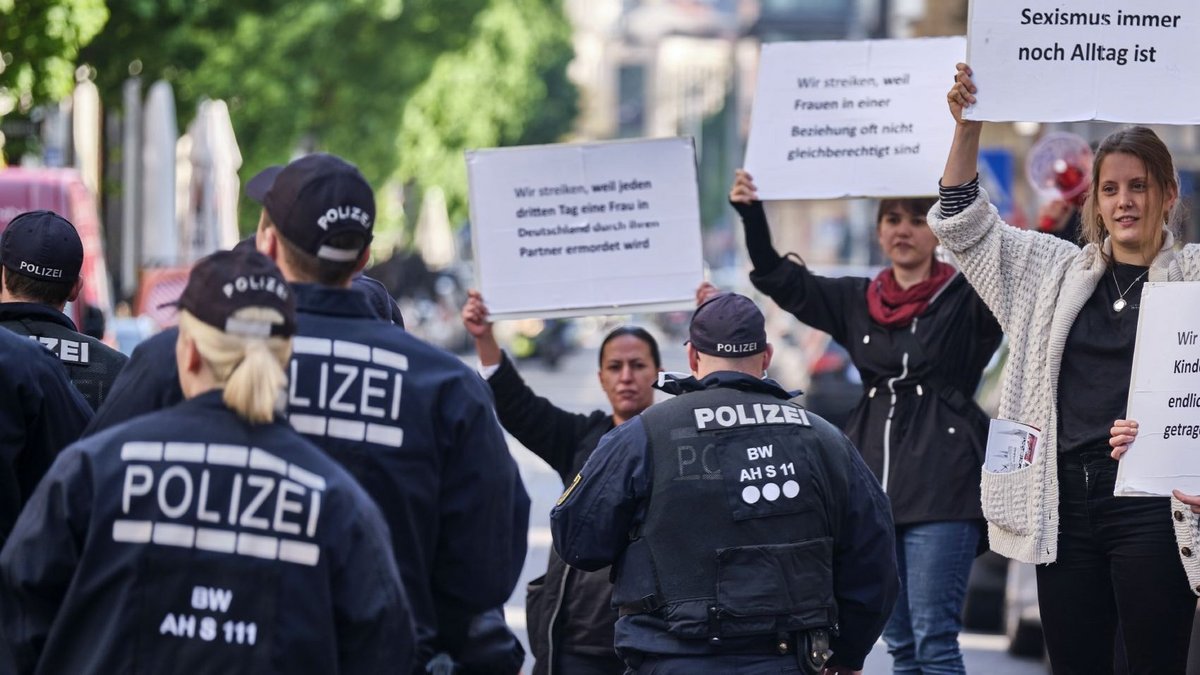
(746, 534)
(42, 413)
(207, 537)
(920, 337)
(568, 612)
(409, 421)
(41, 256)
(1071, 318)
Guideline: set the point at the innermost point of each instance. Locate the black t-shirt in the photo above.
(1093, 383)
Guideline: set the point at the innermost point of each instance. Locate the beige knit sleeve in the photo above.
(1005, 265)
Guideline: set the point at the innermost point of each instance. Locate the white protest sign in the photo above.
(596, 228)
(1164, 394)
(852, 119)
(1068, 60)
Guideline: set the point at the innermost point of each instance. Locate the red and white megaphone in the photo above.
(1059, 166)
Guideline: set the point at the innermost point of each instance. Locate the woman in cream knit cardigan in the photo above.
(1071, 317)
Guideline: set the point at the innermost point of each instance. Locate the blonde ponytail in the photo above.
(251, 369)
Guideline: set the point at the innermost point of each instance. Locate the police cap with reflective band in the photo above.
(315, 198)
(42, 245)
(728, 325)
(226, 282)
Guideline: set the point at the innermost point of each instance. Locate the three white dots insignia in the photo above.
(770, 492)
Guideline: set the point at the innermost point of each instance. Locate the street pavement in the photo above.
(574, 386)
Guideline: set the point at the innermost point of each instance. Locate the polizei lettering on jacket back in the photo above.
(220, 498)
(749, 414)
(346, 390)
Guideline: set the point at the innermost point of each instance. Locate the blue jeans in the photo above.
(935, 561)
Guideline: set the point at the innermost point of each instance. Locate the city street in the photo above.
(574, 387)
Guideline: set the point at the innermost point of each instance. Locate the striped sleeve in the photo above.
(957, 198)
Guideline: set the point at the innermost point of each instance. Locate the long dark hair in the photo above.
(633, 331)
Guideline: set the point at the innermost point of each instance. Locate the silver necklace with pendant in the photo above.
(1120, 304)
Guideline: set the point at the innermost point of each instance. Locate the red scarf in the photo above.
(893, 307)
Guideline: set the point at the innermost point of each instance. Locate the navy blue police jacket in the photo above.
(91, 364)
(149, 380)
(417, 428)
(594, 519)
(41, 413)
(190, 540)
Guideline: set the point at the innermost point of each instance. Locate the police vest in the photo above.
(91, 364)
(737, 530)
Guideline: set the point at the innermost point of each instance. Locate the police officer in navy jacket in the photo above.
(208, 537)
(411, 422)
(41, 413)
(41, 256)
(746, 533)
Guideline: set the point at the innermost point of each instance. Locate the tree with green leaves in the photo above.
(507, 86)
(332, 75)
(39, 43)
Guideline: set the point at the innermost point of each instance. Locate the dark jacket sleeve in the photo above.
(593, 518)
(39, 560)
(815, 300)
(549, 431)
(866, 577)
(484, 516)
(375, 630)
(46, 413)
(149, 382)
(820, 302)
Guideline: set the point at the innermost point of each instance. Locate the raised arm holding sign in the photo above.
(1070, 316)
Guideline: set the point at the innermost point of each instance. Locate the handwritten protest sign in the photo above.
(1065, 60)
(598, 228)
(1164, 394)
(846, 119)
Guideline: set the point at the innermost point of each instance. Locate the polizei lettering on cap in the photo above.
(737, 349)
(744, 415)
(256, 282)
(40, 271)
(344, 213)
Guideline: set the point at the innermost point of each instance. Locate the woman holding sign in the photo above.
(1071, 319)
(570, 618)
(920, 337)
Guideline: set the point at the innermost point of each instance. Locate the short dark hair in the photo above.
(918, 206)
(632, 331)
(308, 268)
(44, 292)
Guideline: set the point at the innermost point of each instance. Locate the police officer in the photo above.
(40, 414)
(411, 422)
(208, 537)
(149, 382)
(746, 533)
(42, 254)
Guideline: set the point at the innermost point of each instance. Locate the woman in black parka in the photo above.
(920, 337)
(568, 611)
